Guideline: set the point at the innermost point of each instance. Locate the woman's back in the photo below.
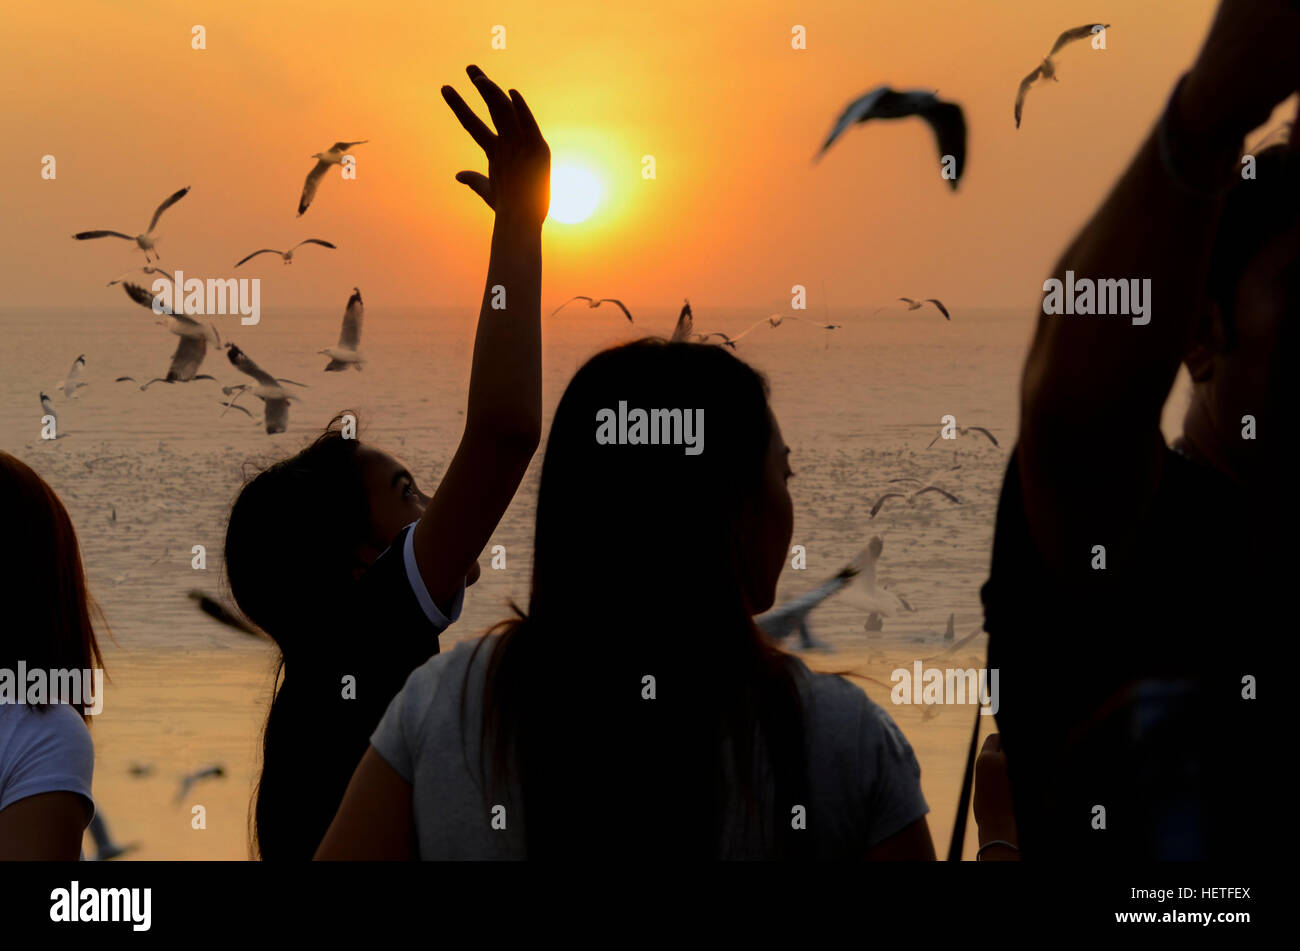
(863, 780)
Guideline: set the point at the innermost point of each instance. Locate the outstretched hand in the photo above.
(518, 182)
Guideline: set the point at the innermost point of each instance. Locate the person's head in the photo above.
(304, 528)
(701, 518)
(1244, 353)
(41, 576)
(663, 521)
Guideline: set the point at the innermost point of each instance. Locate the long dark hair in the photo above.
(291, 551)
(41, 569)
(644, 566)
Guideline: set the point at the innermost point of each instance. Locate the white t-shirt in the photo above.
(44, 751)
(864, 780)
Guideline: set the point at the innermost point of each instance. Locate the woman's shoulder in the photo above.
(43, 750)
(23, 724)
(840, 711)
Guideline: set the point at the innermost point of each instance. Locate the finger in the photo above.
(527, 123)
(498, 103)
(475, 126)
(478, 183)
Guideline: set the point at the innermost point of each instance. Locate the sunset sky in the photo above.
(737, 214)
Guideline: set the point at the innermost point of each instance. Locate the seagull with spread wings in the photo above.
(287, 255)
(73, 382)
(324, 160)
(911, 499)
(945, 118)
(593, 303)
(347, 353)
(965, 430)
(1047, 68)
(180, 324)
(146, 242)
(267, 388)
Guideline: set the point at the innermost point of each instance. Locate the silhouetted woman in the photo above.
(46, 755)
(339, 556)
(635, 711)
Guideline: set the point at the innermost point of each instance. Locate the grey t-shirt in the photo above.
(864, 781)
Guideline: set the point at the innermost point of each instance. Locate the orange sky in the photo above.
(731, 113)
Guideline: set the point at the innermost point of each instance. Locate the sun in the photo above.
(575, 193)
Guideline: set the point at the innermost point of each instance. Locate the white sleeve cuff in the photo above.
(413, 577)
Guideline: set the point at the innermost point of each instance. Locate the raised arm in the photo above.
(503, 421)
(1093, 388)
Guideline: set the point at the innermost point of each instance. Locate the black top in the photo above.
(1123, 687)
(331, 700)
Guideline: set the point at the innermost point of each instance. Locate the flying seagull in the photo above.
(593, 303)
(147, 269)
(145, 241)
(215, 609)
(911, 499)
(48, 409)
(287, 255)
(918, 304)
(347, 354)
(184, 366)
(1047, 69)
(187, 782)
(178, 323)
(323, 161)
(864, 591)
(963, 430)
(72, 382)
(685, 329)
(792, 617)
(945, 118)
(928, 480)
(268, 388)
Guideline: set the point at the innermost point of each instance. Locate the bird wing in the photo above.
(256, 253)
(949, 125)
(943, 310)
(344, 146)
(74, 372)
(802, 605)
(1078, 33)
(49, 409)
(83, 235)
(685, 324)
(934, 488)
(145, 298)
(1024, 89)
(350, 336)
(859, 110)
(750, 328)
(614, 300)
(570, 301)
(185, 361)
(881, 501)
(323, 244)
(215, 609)
(981, 429)
(277, 416)
(311, 184)
(172, 199)
(245, 365)
(123, 379)
(907, 300)
(233, 405)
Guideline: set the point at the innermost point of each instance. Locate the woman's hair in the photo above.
(41, 574)
(646, 565)
(291, 549)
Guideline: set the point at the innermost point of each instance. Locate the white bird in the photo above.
(72, 382)
(792, 616)
(945, 118)
(323, 162)
(963, 430)
(189, 354)
(347, 354)
(48, 408)
(1047, 69)
(287, 255)
(146, 241)
(911, 499)
(267, 387)
(593, 303)
(187, 782)
(864, 591)
(178, 323)
(147, 269)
